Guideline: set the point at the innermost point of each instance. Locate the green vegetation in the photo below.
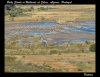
(38, 47)
(9, 60)
(92, 48)
(42, 9)
(13, 11)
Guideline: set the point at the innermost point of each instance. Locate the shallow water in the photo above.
(38, 33)
(90, 22)
(85, 28)
(39, 24)
(74, 40)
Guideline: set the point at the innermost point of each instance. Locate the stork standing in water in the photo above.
(45, 42)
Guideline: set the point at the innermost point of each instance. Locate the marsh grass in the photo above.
(39, 48)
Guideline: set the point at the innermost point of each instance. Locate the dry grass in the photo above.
(59, 6)
(63, 14)
(70, 62)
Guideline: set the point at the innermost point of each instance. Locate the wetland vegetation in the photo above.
(50, 38)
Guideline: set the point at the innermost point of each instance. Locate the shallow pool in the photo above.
(82, 28)
(49, 30)
(78, 40)
(85, 26)
(38, 33)
(45, 23)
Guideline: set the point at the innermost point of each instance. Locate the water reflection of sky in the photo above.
(73, 40)
(83, 28)
(39, 33)
(86, 26)
(39, 24)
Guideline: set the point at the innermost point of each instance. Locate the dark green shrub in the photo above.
(9, 60)
(92, 48)
(80, 69)
(53, 52)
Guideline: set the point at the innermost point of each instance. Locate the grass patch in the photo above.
(38, 48)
